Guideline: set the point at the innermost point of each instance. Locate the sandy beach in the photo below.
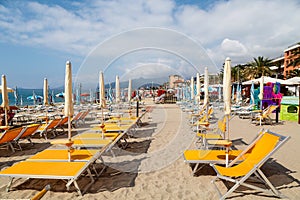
(152, 166)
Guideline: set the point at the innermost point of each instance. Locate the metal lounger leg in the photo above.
(275, 191)
(104, 166)
(195, 168)
(9, 184)
(216, 187)
(11, 146)
(77, 187)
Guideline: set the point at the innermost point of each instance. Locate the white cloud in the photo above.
(233, 47)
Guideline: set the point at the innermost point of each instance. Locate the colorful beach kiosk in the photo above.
(289, 108)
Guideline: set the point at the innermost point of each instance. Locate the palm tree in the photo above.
(221, 73)
(237, 73)
(259, 67)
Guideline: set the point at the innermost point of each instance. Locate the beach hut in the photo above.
(289, 108)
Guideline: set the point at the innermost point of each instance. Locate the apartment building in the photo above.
(289, 57)
(175, 80)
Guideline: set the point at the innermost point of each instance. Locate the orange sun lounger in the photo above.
(54, 164)
(69, 171)
(250, 167)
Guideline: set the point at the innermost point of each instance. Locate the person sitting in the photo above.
(10, 116)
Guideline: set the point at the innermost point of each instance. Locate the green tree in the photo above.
(237, 73)
(257, 68)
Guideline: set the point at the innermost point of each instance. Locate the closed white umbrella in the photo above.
(227, 86)
(21, 101)
(226, 97)
(206, 82)
(129, 90)
(34, 97)
(91, 96)
(68, 110)
(102, 99)
(52, 97)
(117, 89)
(46, 102)
(219, 93)
(232, 93)
(5, 102)
(198, 88)
(261, 91)
(102, 90)
(238, 94)
(192, 88)
(252, 100)
(45, 93)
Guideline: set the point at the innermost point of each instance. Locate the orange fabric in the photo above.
(262, 148)
(45, 169)
(30, 129)
(10, 135)
(207, 155)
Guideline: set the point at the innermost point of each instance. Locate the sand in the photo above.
(152, 166)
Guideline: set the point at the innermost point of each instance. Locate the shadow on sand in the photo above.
(277, 174)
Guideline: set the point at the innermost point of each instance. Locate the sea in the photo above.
(21, 96)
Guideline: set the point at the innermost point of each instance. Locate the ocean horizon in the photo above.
(23, 93)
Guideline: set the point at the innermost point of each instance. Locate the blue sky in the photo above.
(38, 37)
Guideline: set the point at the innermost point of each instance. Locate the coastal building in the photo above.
(289, 58)
(278, 66)
(175, 81)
